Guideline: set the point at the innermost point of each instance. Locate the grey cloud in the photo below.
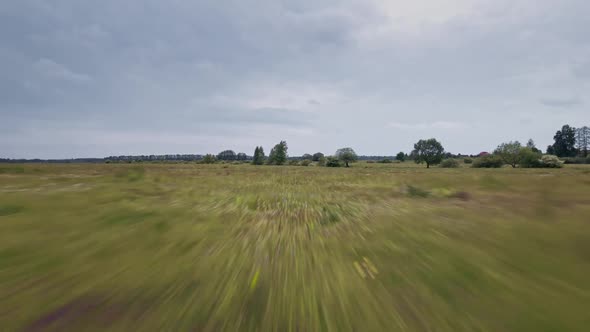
(308, 71)
(557, 102)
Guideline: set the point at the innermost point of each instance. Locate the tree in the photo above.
(550, 150)
(531, 145)
(509, 153)
(528, 158)
(278, 154)
(317, 156)
(258, 156)
(346, 155)
(332, 162)
(428, 151)
(208, 159)
(227, 155)
(401, 156)
(565, 142)
(583, 140)
(242, 156)
(307, 156)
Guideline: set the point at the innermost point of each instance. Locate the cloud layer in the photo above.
(113, 77)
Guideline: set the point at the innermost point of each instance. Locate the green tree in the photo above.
(278, 154)
(208, 159)
(227, 155)
(242, 156)
(346, 155)
(428, 151)
(583, 140)
(565, 142)
(510, 153)
(528, 158)
(401, 156)
(317, 156)
(307, 156)
(531, 145)
(332, 162)
(258, 156)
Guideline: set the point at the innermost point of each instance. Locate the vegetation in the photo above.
(401, 156)
(528, 158)
(191, 247)
(583, 140)
(208, 159)
(347, 156)
(468, 161)
(449, 163)
(259, 156)
(305, 162)
(428, 151)
(307, 156)
(317, 156)
(227, 155)
(332, 162)
(565, 142)
(550, 161)
(489, 161)
(509, 153)
(278, 154)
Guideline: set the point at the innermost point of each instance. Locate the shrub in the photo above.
(293, 163)
(529, 158)
(305, 162)
(333, 162)
(386, 161)
(417, 192)
(551, 161)
(468, 161)
(489, 161)
(370, 161)
(208, 159)
(449, 163)
(577, 160)
(322, 161)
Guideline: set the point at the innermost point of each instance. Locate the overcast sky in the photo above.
(97, 78)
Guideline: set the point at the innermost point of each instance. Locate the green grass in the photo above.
(377, 247)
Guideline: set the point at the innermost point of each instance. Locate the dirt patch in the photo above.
(462, 195)
(87, 311)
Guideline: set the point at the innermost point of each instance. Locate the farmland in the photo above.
(374, 247)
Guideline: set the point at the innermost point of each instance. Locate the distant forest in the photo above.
(569, 142)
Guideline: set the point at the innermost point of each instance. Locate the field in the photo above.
(376, 247)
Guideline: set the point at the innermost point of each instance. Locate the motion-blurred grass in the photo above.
(375, 247)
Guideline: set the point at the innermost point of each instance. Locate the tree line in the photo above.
(568, 142)
(571, 144)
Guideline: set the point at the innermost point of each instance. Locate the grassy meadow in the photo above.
(376, 247)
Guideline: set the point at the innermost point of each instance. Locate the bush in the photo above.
(322, 161)
(468, 161)
(577, 160)
(208, 159)
(529, 158)
(385, 161)
(489, 161)
(333, 162)
(293, 163)
(370, 161)
(305, 162)
(551, 161)
(449, 163)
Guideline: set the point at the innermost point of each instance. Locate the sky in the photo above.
(81, 78)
